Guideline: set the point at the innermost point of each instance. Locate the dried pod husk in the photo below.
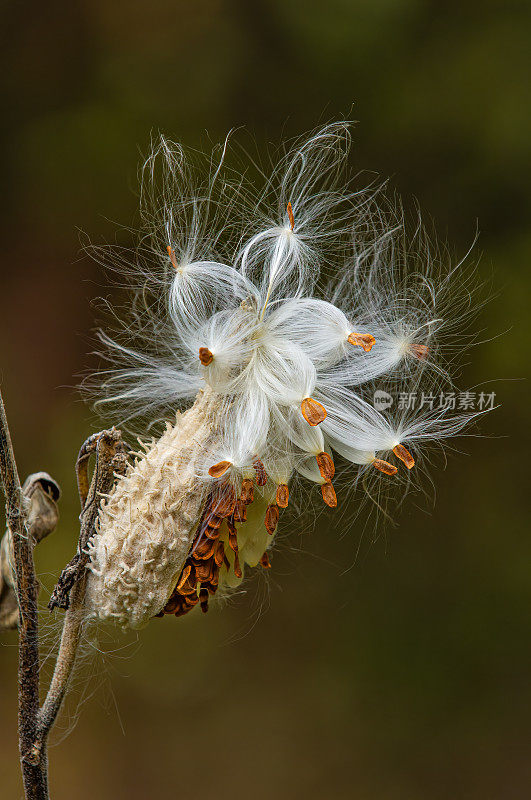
(41, 494)
(146, 526)
(168, 536)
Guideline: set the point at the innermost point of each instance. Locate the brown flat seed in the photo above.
(202, 570)
(384, 466)
(282, 497)
(264, 561)
(184, 577)
(261, 474)
(237, 569)
(247, 495)
(364, 340)
(204, 549)
(240, 512)
(219, 469)
(219, 554)
(171, 254)
(329, 494)
(223, 502)
(210, 533)
(271, 518)
(189, 587)
(208, 528)
(203, 599)
(290, 216)
(205, 356)
(201, 547)
(404, 455)
(420, 351)
(171, 605)
(326, 466)
(205, 572)
(312, 411)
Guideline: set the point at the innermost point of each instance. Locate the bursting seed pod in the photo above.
(262, 324)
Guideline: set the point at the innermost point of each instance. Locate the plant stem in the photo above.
(34, 776)
(66, 657)
(111, 455)
(34, 724)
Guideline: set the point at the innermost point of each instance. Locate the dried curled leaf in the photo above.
(41, 493)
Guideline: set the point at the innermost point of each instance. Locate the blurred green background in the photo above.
(399, 673)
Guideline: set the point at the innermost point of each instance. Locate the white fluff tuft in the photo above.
(292, 306)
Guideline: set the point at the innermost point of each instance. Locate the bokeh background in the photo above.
(398, 670)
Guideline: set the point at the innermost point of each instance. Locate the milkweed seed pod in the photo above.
(278, 319)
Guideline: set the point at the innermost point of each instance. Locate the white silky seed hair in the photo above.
(282, 311)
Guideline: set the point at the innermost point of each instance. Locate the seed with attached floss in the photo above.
(420, 351)
(291, 217)
(312, 411)
(282, 496)
(271, 518)
(171, 254)
(261, 474)
(404, 455)
(240, 512)
(206, 357)
(219, 469)
(247, 493)
(364, 340)
(384, 466)
(326, 466)
(329, 494)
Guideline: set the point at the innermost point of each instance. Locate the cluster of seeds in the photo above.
(283, 315)
(216, 535)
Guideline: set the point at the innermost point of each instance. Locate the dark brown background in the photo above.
(400, 674)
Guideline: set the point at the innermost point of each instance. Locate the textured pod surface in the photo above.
(147, 523)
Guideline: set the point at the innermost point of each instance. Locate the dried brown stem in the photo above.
(31, 514)
(34, 775)
(66, 658)
(111, 459)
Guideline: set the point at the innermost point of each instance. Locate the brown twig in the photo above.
(34, 723)
(34, 775)
(111, 460)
